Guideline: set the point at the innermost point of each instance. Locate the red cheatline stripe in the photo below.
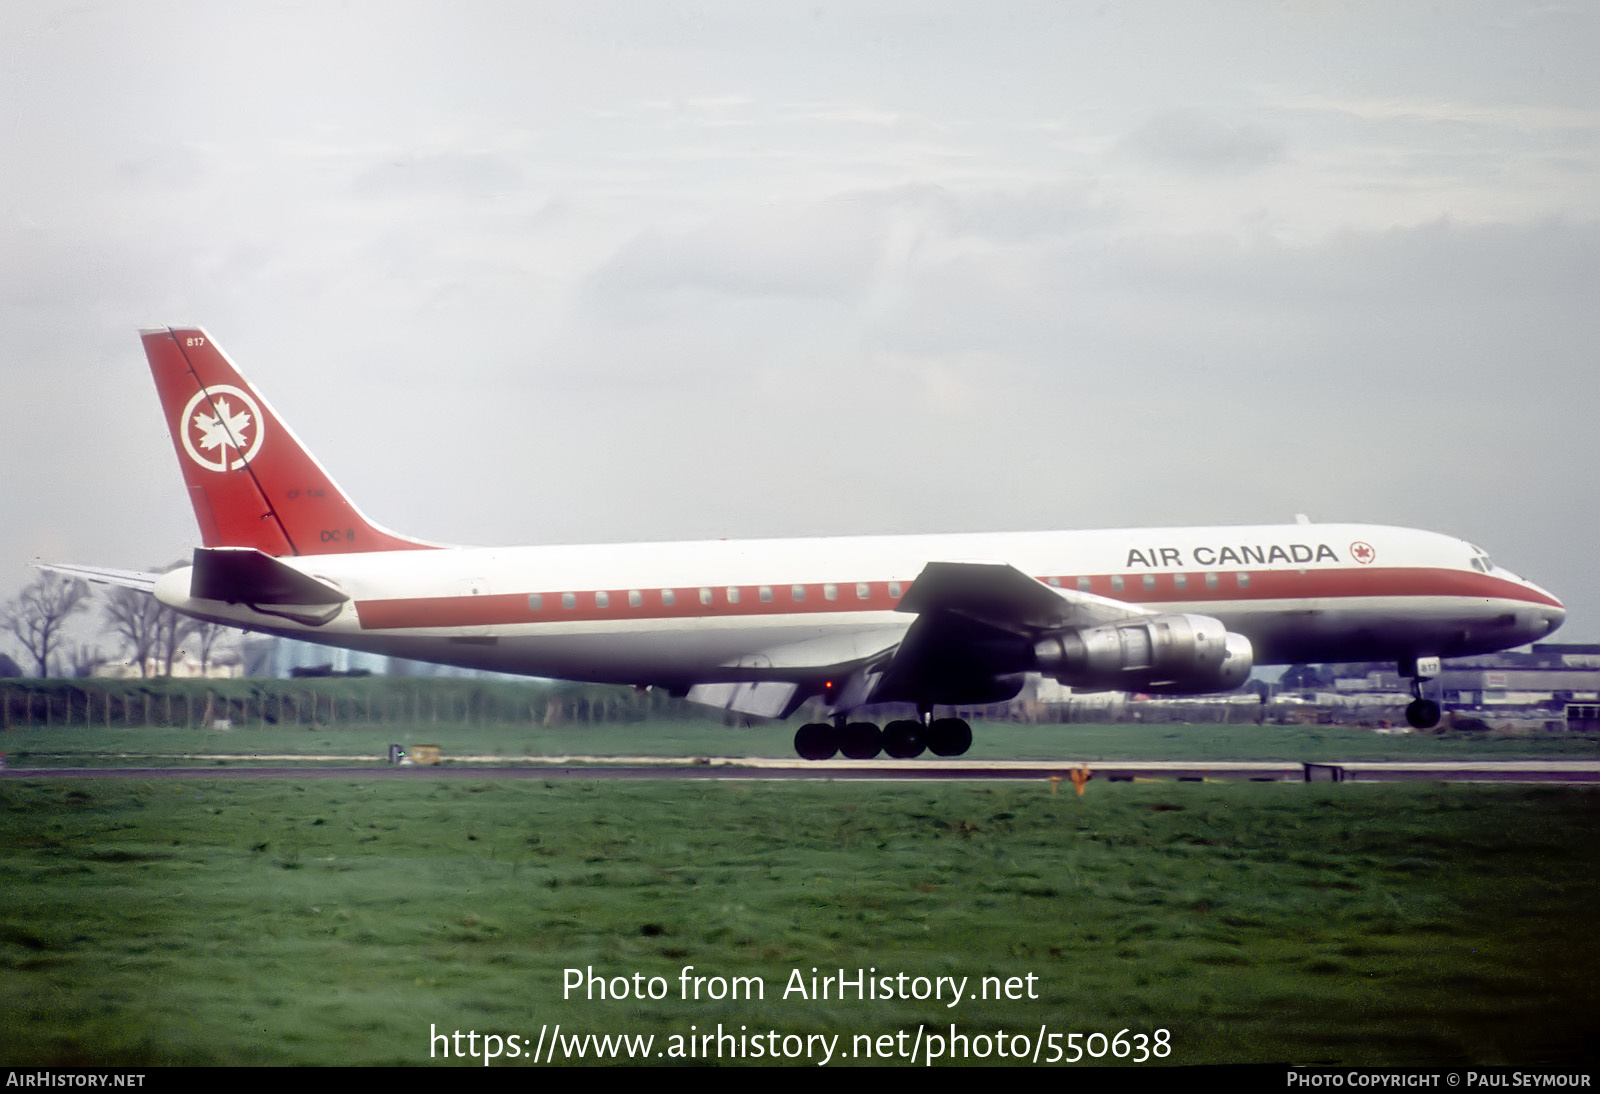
(503, 609)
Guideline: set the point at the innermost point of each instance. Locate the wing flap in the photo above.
(821, 654)
(759, 698)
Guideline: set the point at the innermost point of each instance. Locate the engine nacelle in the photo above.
(1169, 654)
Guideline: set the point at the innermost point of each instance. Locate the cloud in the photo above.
(825, 250)
(1511, 116)
(455, 176)
(1188, 140)
(847, 248)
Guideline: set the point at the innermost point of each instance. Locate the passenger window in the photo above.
(830, 592)
(602, 600)
(766, 594)
(535, 602)
(1053, 582)
(733, 594)
(1116, 582)
(1149, 581)
(1180, 581)
(1244, 580)
(569, 600)
(1083, 584)
(635, 598)
(1211, 581)
(894, 590)
(797, 593)
(705, 596)
(863, 590)
(668, 596)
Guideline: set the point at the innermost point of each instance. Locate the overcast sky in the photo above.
(556, 273)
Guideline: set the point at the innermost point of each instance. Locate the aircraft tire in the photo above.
(902, 740)
(1422, 713)
(861, 741)
(816, 741)
(949, 737)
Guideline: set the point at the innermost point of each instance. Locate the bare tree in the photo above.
(156, 634)
(171, 629)
(38, 615)
(204, 637)
(135, 617)
(83, 659)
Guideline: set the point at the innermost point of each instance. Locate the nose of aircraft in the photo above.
(1543, 618)
(1553, 618)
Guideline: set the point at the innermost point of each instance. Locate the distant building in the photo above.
(182, 669)
(1533, 684)
(266, 656)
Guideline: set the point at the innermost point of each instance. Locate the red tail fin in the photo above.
(252, 482)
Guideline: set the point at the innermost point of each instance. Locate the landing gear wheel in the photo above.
(902, 740)
(1422, 713)
(949, 737)
(861, 741)
(816, 741)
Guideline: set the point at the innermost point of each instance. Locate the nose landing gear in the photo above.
(1420, 713)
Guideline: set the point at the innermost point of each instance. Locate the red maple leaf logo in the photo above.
(1362, 552)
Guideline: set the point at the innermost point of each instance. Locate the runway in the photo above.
(1569, 772)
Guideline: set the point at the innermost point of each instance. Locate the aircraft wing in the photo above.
(974, 622)
(129, 579)
(1004, 597)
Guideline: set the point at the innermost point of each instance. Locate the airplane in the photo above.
(761, 627)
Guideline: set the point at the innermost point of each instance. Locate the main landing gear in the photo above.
(900, 740)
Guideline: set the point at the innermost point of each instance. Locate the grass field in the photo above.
(332, 921)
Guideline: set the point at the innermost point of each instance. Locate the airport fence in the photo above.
(330, 702)
(326, 703)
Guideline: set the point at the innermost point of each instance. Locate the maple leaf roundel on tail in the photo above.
(221, 428)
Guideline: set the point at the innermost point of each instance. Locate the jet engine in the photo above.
(1170, 654)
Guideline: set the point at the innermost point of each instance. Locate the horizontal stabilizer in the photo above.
(243, 575)
(128, 579)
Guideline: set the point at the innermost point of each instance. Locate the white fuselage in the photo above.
(663, 613)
